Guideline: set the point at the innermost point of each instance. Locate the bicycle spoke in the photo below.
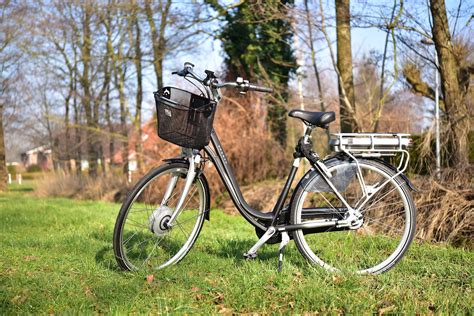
(149, 256)
(182, 229)
(373, 244)
(137, 224)
(140, 247)
(192, 217)
(129, 238)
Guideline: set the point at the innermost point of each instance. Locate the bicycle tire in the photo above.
(147, 216)
(330, 248)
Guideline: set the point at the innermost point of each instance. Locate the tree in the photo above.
(455, 69)
(11, 15)
(310, 41)
(3, 165)
(344, 64)
(135, 41)
(257, 42)
(455, 79)
(158, 39)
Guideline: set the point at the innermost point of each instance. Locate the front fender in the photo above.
(203, 179)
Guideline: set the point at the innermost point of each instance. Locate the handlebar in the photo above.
(211, 80)
(260, 88)
(243, 85)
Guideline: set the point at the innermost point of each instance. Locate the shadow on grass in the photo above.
(105, 258)
(231, 248)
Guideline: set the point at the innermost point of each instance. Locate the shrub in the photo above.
(445, 207)
(12, 170)
(110, 188)
(33, 168)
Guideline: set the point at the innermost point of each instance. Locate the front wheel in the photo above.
(142, 238)
(388, 224)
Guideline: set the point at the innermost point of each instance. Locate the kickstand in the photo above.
(284, 241)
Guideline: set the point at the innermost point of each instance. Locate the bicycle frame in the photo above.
(260, 219)
(255, 217)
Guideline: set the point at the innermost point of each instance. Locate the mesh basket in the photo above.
(184, 118)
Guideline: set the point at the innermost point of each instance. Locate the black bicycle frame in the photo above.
(253, 216)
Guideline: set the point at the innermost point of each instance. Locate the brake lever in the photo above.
(181, 73)
(243, 85)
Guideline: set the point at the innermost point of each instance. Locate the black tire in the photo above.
(145, 204)
(357, 250)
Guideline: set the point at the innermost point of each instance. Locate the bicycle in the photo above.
(352, 211)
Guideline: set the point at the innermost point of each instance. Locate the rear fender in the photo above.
(203, 179)
(402, 175)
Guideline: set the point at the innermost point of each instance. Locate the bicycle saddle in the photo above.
(321, 119)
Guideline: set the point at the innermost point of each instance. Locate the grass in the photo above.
(56, 257)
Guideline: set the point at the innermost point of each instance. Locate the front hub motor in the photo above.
(158, 220)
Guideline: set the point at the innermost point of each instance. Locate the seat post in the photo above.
(307, 132)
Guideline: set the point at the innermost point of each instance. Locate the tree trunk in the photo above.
(313, 56)
(111, 56)
(344, 64)
(452, 85)
(92, 155)
(139, 96)
(77, 133)
(110, 128)
(3, 163)
(123, 119)
(158, 37)
(67, 146)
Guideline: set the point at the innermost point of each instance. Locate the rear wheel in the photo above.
(388, 223)
(142, 238)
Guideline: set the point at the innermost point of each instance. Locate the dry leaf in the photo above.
(384, 310)
(336, 279)
(30, 258)
(219, 298)
(224, 310)
(150, 278)
(198, 297)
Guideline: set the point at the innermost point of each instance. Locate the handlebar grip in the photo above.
(260, 88)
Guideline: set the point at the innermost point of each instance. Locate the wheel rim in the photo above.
(145, 241)
(381, 239)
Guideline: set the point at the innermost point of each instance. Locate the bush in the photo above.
(12, 170)
(33, 168)
(110, 188)
(445, 207)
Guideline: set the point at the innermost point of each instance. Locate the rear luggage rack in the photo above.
(373, 145)
(368, 144)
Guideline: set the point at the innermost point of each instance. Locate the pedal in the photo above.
(284, 241)
(252, 253)
(250, 256)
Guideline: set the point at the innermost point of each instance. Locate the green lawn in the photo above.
(56, 256)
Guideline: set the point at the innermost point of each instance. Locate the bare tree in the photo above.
(158, 39)
(11, 14)
(135, 41)
(344, 64)
(349, 106)
(309, 23)
(455, 80)
(455, 69)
